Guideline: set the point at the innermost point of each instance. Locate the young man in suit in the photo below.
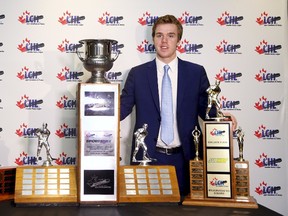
(189, 84)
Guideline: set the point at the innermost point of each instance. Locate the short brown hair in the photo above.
(168, 19)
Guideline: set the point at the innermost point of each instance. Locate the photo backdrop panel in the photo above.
(243, 44)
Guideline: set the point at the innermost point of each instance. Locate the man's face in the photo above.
(166, 41)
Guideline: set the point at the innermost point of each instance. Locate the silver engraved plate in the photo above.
(40, 170)
(241, 165)
(131, 192)
(39, 181)
(155, 192)
(52, 175)
(64, 192)
(165, 181)
(64, 170)
(163, 170)
(164, 176)
(51, 186)
(153, 181)
(39, 186)
(27, 176)
(141, 176)
(140, 170)
(167, 192)
(52, 170)
(26, 192)
(143, 192)
(27, 187)
(64, 186)
(155, 186)
(141, 181)
(39, 192)
(64, 181)
(64, 176)
(142, 186)
(130, 186)
(152, 176)
(25, 181)
(52, 192)
(129, 175)
(129, 181)
(52, 181)
(128, 171)
(39, 176)
(28, 171)
(152, 170)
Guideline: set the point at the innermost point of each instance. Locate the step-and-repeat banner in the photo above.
(241, 43)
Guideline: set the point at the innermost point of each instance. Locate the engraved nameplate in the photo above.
(241, 165)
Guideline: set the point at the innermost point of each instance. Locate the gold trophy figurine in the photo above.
(196, 134)
(240, 139)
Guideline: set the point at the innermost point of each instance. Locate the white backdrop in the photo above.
(242, 43)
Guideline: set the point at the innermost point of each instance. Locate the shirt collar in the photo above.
(172, 64)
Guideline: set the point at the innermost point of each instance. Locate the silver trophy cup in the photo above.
(97, 58)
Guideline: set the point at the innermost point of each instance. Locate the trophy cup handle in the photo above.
(78, 54)
(116, 56)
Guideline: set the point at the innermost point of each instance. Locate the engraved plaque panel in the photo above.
(7, 182)
(148, 184)
(45, 185)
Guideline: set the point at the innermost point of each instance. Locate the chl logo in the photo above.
(267, 190)
(267, 20)
(71, 20)
(109, 20)
(267, 162)
(30, 19)
(147, 19)
(146, 47)
(189, 20)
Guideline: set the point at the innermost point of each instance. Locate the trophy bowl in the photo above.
(97, 58)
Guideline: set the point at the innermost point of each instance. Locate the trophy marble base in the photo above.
(7, 183)
(139, 184)
(40, 186)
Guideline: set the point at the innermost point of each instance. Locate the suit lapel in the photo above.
(181, 83)
(151, 73)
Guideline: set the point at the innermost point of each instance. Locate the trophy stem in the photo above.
(47, 163)
(97, 77)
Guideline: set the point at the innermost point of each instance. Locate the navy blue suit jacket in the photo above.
(141, 90)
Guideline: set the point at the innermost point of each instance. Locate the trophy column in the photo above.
(98, 126)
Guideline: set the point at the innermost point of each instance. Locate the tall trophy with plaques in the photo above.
(98, 125)
(218, 180)
(45, 184)
(145, 182)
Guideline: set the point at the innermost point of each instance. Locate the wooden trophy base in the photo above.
(42, 186)
(7, 183)
(247, 202)
(139, 184)
(242, 198)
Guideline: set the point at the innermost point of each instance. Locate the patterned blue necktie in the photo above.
(167, 132)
